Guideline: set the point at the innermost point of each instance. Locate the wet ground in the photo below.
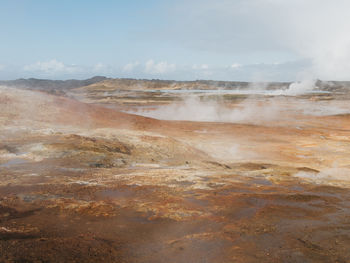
(123, 220)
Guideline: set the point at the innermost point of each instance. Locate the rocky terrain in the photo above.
(161, 171)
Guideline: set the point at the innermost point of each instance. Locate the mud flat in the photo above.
(260, 178)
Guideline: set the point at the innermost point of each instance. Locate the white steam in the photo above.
(193, 109)
(313, 31)
(297, 88)
(278, 110)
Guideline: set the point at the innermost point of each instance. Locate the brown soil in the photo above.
(86, 183)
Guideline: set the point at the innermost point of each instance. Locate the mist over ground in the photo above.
(274, 104)
(213, 131)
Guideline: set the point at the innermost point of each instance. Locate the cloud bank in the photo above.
(159, 68)
(51, 67)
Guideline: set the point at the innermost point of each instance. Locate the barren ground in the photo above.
(82, 181)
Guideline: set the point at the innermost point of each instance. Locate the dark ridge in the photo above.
(51, 86)
(333, 86)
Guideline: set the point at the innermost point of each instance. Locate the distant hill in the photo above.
(156, 84)
(60, 87)
(51, 86)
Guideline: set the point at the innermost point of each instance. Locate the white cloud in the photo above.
(51, 67)
(152, 67)
(235, 66)
(165, 70)
(2, 67)
(99, 67)
(130, 66)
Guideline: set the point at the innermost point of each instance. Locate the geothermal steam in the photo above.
(281, 104)
(193, 109)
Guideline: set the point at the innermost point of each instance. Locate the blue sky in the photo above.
(253, 40)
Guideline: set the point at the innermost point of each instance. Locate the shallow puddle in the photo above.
(13, 162)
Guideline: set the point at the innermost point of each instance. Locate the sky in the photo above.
(238, 40)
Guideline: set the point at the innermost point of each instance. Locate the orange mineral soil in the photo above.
(261, 179)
